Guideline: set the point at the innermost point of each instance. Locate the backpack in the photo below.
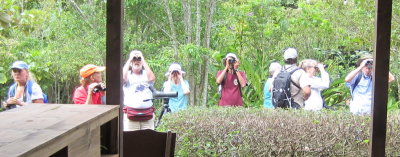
(29, 85)
(281, 96)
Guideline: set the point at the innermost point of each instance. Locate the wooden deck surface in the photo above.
(43, 129)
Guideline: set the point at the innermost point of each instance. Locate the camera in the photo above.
(232, 60)
(369, 64)
(99, 88)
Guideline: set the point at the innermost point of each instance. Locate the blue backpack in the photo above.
(29, 85)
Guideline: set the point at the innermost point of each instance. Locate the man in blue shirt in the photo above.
(360, 83)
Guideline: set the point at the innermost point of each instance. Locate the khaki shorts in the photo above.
(130, 125)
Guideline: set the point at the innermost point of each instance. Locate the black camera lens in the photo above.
(232, 61)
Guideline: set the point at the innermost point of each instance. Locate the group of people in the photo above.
(306, 85)
(303, 91)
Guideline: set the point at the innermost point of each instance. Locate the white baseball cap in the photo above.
(231, 55)
(290, 53)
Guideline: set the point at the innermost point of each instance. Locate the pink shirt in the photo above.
(230, 95)
(80, 96)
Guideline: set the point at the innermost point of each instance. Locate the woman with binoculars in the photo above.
(92, 90)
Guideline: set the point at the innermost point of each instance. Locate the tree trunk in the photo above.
(187, 16)
(211, 7)
(171, 24)
(210, 13)
(198, 22)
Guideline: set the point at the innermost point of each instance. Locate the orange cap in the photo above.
(89, 69)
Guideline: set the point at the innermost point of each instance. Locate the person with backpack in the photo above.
(273, 68)
(176, 83)
(360, 83)
(138, 106)
(92, 89)
(24, 91)
(291, 86)
(317, 84)
(231, 81)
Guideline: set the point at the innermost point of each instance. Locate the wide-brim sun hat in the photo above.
(89, 69)
(174, 66)
(19, 65)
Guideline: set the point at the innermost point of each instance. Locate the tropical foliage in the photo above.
(57, 37)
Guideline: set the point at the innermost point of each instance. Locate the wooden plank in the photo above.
(70, 123)
(380, 77)
(114, 37)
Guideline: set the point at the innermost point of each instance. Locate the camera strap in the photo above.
(240, 86)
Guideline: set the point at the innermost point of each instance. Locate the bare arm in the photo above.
(150, 75)
(306, 92)
(391, 77)
(354, 73)
(125, 70)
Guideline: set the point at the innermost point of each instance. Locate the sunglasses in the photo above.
(137, 59)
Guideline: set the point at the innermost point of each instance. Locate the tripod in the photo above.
(164, 110)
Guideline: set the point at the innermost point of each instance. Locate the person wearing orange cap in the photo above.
(92, 90)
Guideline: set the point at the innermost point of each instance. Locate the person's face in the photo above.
(367, 71)
(312, 70)
(20, 75)
(96, 77)
(136, 62)
(175, 73)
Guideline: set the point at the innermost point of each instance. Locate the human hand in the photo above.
(92, 86)
(12, 100)
(320, 66)
(364, 62)
(236, 65)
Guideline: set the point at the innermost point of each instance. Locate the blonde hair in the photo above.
(308, 63)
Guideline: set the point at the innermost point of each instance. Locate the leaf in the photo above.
(3, 78)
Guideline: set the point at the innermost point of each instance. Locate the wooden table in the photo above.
(44, 129)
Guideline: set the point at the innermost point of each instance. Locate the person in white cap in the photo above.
(137, 77)
(176, 83)
(24, 91)
(231, 81)
(299, 78)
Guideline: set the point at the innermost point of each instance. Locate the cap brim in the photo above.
(100, 69)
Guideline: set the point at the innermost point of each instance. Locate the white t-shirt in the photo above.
(315, 102)
(136, 91)
(301, 79)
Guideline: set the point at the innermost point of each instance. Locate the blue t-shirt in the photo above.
(268, 94)
(361, 96)
(180, 102)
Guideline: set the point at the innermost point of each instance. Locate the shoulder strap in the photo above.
(11, 91)
(240, 86)
(292, 80)
(29, 85)
(358, 78)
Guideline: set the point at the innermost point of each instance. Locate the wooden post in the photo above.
(380, 77)
(114, 68)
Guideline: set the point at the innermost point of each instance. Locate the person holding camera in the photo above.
(315, 102)
(176, 83)
(138, 105)
(231, 81)
(92, 89)
(24, 91)
(360, 83)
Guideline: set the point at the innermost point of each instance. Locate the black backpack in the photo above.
(281, 96)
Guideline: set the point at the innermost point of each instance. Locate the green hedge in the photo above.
(261, 132)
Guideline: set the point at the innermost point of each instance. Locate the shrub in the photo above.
(232, 131)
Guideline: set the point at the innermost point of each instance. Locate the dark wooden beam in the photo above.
(114, 68)
(380, 77)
